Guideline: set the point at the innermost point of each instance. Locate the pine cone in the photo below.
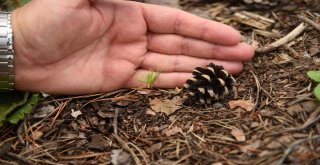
(209, 84)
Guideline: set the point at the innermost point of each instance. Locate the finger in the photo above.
(69, 3)
(165, 80)
(175, 44)
(181, 63)
(174, 21)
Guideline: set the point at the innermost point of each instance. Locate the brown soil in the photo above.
(277, 124)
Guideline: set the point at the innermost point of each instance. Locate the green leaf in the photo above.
(24, 1)
(316, 91)
(9, 101)
(13, 4)
(314, 75)
(24, 109)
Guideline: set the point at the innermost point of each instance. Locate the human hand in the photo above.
(91, 46)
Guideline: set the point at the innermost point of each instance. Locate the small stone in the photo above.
(309, 106)
(153, 148)
(123, 103)
(294, 109)
(255, 125)
(151, 112)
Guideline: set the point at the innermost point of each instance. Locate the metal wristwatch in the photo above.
(6, 52)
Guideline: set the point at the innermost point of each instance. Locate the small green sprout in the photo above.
(315, 75)
(150, 77)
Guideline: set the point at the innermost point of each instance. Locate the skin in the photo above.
(93, 46)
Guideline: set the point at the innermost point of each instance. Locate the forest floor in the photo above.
(272, 119)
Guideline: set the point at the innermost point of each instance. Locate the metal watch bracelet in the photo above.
(6, 52)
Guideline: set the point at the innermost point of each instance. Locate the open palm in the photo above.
(83, 46)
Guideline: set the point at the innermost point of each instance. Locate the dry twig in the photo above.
(115, 121)
(300, 99)
(143, 154)
(86, 155)
(7, 162)
(182, 159)
(258, 90)
(284, 40)
(313, 118)
(19, 158)
(127, 148)
(61, 108)
(294, 144)
(309, 21)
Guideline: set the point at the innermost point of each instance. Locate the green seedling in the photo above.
(150, 77)
(315, 75)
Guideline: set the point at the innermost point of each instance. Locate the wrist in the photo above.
(21, 62)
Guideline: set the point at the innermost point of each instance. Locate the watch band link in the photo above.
(6, 52)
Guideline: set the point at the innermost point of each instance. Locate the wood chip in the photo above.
(253, 20)
(238, 134)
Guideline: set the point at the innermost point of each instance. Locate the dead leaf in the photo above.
(301, 154)
(282, 58)
(75, 114)
(238, 134)
(144, 91)
(248, 105)
(98, 142)
(252, 146)
(279, 142)
(170, 132)
(120, 157)
(166, 106)
(153, 148)
(72, 136)
(81, 142)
